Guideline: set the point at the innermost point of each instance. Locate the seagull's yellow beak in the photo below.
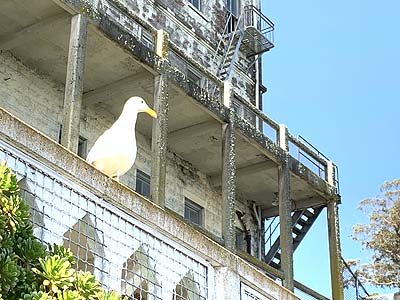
(151, 112)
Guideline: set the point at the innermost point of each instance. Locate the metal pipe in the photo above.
(257, 213)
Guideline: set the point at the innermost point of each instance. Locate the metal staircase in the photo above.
(302, 221)
(251, 33)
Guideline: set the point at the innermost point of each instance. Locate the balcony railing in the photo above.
(298, 148)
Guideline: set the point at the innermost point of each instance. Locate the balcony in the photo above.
(258, 32)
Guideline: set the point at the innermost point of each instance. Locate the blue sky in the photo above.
(333, 77)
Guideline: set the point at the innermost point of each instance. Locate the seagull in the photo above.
(114, 152)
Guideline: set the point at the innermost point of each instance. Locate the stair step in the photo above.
(308, 213)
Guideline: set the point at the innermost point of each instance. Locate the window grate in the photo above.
(193, 212)
(124, 254)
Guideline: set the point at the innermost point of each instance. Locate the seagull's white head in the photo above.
(136, 105)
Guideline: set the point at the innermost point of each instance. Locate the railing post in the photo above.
(160, 125)
(74, 83)
(330, 173)
(227, 93)
(283, 140)
(161, 47)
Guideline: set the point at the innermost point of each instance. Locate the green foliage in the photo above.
(382, 236)
(28, 270)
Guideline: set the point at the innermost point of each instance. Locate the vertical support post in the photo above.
(228, 183)
(159, 140)
(74, 83)
(283, 141)
(334, 250)
(285, 219)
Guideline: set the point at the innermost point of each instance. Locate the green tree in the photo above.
(28, 270)
(381, 236)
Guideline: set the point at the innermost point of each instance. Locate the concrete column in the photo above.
(285, 219)
(227, 284)
(160, 127)
(334, 251)
(74, 83)
(228, 185)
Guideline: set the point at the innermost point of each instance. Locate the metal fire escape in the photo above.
(251, 32)
(302, 221)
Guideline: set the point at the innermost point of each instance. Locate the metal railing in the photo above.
(255, 18)
(353, 287)
(124, 254)
(261, 121)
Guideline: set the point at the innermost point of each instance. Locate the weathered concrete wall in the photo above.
(22, 89)
(195, 33)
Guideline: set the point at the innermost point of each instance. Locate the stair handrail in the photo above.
(271, 231)
(229, 45)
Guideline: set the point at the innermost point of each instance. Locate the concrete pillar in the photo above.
(74, 83)
(160, 127)
(227, 284)
(285, 219)
(334, 250)
(283, 141)
(228, 184)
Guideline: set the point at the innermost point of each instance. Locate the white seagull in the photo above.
(114, 152)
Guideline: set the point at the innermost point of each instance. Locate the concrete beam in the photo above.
(30, 32)
(159, 141)
(285, 219)
(109, 91)
(228, 185)
(194, 130)
(245, 171)
(335, 251)
(296, 205)
(74, 82)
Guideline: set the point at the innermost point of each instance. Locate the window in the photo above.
(196, 3)
(147, 39)
(142, 183)
(239, 239)
(193, 212)
(82, 147)
(233, 7)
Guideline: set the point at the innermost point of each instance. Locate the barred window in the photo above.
(196, 3)
(142, 183)
(193, 212)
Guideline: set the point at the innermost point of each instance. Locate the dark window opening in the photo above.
(142, 183)
(196, 3)
(193, 212)
(82, 147)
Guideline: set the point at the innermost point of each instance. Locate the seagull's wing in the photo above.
(103, 147)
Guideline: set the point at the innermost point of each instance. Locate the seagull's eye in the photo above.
(142, 101)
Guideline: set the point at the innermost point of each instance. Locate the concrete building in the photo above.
(220, 195)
